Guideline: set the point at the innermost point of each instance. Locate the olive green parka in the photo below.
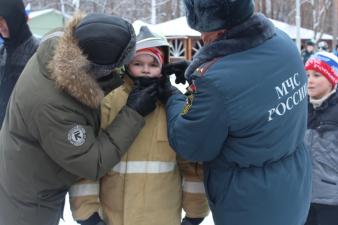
(51, 133)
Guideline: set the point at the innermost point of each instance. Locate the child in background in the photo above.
(322, 137)
(146, 187)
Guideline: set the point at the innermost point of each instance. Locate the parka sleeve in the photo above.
(84, 196)
(197, 127)
(72, 143)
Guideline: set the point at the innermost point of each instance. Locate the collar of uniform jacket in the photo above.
(247, 35)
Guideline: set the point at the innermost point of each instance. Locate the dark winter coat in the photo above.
(15, 51)
(306, 55)
(322, 141)
(246, 120)
(51, 137)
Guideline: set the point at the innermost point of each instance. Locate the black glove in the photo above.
(93, 220)
(177, 68)
(165, 90)
(143, 82)
(191, 221)
(143, 100)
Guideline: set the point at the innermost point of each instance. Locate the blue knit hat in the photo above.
(211, 15)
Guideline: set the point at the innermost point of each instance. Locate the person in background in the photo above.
(18, 46)
(245, 116)
(145, 188)
(335, 51)
(323, 46)
(51, 134)
(308, 51)
(322, 137)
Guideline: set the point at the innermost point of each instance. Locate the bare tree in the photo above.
(335, 23)
(317, 15)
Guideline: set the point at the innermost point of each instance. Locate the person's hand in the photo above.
(191, 221)
(143, 100)
(165, 90)
(177, 68)
(93, 220)
(143, 82)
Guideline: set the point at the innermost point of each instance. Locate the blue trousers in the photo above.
(320, 214)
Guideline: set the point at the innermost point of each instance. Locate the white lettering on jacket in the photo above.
(291, 88)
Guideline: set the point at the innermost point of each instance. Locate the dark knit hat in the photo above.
(211, 15)
(107, 41)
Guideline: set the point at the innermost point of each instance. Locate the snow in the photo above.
(176, 28)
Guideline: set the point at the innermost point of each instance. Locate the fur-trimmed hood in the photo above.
(62, 60)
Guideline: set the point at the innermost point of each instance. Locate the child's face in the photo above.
(317, 86)
(144, 66)
(310, 48)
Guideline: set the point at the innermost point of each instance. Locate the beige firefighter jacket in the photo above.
(146, 187)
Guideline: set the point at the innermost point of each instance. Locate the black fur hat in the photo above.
(211, 15)
(107, 41)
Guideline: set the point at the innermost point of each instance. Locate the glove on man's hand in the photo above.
(191, 221)
(143, 82)
(177, 68)
(93, 220)
(165, 90)
(143, 100)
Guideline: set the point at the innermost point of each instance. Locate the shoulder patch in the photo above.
(204, 68)
(77, 135)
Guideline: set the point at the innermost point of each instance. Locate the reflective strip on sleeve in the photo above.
(144, 167)
(79, 190)
(193, 187)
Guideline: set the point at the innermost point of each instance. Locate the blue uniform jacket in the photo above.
(246, 121)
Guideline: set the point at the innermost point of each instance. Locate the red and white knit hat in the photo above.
(155, 52)
(326, 64)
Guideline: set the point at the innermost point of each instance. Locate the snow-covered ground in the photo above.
(68, 220)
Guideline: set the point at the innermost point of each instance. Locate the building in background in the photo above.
(42, 21)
